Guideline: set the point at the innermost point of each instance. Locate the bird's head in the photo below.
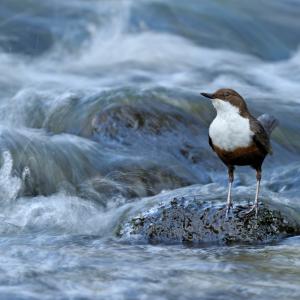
(227, 100)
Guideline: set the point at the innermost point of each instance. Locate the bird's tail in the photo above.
(268, 122)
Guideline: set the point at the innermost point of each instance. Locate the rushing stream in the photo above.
(100, 110)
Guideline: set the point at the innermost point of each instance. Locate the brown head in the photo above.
(230, 96)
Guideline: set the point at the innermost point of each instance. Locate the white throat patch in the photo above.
(229, 130)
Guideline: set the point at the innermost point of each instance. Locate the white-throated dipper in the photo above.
(238, 138)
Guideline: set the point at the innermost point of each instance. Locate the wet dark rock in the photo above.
(132, 182)
(141, 121)
(91, 171)
(188, 220)
(120, 120)
(154, 126)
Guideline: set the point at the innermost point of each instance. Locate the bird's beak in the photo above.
(207, 95)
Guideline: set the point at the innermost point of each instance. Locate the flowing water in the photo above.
(100, 109)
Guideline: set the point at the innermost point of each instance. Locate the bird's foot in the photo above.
(228, 211)
(251, 211)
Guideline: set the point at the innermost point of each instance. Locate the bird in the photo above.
(238, 138)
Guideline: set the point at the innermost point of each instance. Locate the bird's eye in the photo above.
(226, 94)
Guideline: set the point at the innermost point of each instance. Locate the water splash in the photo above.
(10, 185)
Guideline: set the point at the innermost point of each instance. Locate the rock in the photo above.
(123, 120)
(133, 181)
(188, 220)
(155, 126)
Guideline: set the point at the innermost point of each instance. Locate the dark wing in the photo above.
(260, 137)
(210, 143)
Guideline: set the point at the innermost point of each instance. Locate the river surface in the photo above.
(100, 109)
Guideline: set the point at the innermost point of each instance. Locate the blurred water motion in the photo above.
(100, 108)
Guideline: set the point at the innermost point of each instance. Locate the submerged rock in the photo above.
(155, 125)
(193, 221)
(149, 118)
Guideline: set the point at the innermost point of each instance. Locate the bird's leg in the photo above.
(255, 205)
(230, 179)
(258, 179)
